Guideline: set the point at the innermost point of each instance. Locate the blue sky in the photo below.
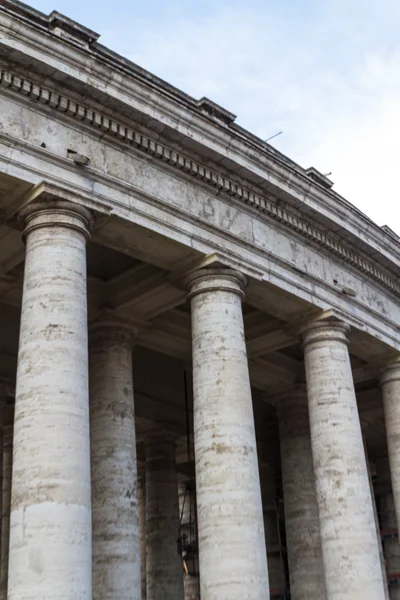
(325, 72)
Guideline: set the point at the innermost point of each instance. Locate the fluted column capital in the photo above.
(215, 279)
(324, 330)
(55, 213)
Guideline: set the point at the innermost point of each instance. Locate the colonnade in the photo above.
(74, 514)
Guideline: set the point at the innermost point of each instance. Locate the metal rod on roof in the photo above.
(273, 136)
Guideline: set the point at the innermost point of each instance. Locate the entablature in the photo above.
(100, 74)
(219, 180)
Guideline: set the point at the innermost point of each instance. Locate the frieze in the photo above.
(144, 143)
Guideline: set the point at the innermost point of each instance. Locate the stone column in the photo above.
(142, 526)
(233, 563)
(50, 525)
(3, 409)
(391, 547)
(187, 514)
(390, 384)
(116, 548)
(348, 535)
(164, 570)
(191, 587)
(303, 541)
(8, 434)
(376, 520)
(271, 527)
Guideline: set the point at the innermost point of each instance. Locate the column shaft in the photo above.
(50, 525)
(142, 528)
(3, 588)
(232, 551)
(164, 570)
(390, 383)
(8, 434)
(271, 531)
(377, 526)
(116, 548)
(187, 526)
(191, 586)
(303, 539)
(387, 511)
(348, 535)
(391, 546)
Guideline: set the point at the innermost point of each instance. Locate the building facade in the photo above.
(199, 349)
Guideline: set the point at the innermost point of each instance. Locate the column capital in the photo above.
(391, 371)
(215, 279)
(55, 213)
(160, 447)
(164, 436)
(292, 411)
(292, 400)
(325, 330)
(111, 326)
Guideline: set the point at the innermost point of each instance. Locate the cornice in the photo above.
(99, 121)
(70, 30)
(31, 33)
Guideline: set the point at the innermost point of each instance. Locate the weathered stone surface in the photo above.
(391, 545)
(377, 526)
(348, 535)
(8, 435)
(230, 523)
(276, 569)
(164, 569)
(301, 509)
(269, 224)
(191, 587)
(187, 528)
(3, 588)
(50, 526)
(116, 547)
(390, 383)
(141, 495)
(174, 183)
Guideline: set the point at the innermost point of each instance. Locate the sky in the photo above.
(324, 72)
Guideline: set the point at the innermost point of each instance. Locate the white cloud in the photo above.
(326, 73)
(331, 82)
(362, 148)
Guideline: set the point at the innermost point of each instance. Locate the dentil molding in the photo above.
(94, 118)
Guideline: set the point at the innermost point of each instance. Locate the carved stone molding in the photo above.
(94, 118)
